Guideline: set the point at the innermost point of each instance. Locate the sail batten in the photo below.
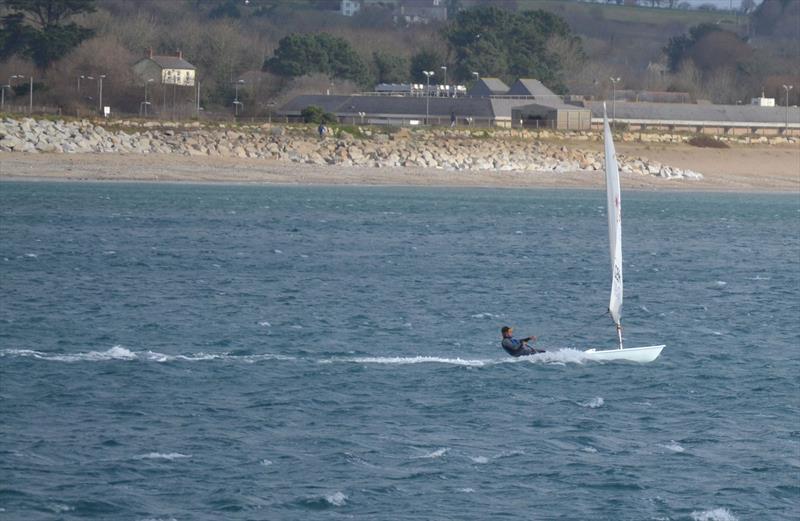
(614, 222)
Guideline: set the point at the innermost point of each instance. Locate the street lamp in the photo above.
(30, 99)
(444, 71)
(787, 88)
(8, 86)
(614, 82)
(145, 103)
(100, 86)
(236, 102)
(428, 75)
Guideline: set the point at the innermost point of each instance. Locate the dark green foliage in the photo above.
(301, 54)
(426, 60)
(679, 47)
(496, 42)
(313, 114)
(35, 28)
(227, 9)
(389, 68)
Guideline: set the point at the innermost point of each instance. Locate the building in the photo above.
(403, 11)
(349, 7)
(700, 118)
(488, 87)
(166, 70)
(493, 106)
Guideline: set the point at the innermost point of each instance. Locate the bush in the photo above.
(312, 114)
(707, 142)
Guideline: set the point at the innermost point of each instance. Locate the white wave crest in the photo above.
(594, 403)
(266, 462)
(673, 446)
(416, 360)
(466, 490)
(158, 455)
(435, 454)
(480, 460)
(336, 499)
(718, 514)
(123, 353)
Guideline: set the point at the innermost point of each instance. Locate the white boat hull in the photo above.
(641, 355)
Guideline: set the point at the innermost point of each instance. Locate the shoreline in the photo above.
(772, 169)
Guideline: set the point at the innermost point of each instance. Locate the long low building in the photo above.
(417, 110)
(724, 119)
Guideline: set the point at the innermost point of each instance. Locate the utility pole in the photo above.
(614, 82)
(787, 88)
(428, 75)
(30, 101)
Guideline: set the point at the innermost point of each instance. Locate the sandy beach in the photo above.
(743, 168)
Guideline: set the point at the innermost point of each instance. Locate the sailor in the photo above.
(516, 347)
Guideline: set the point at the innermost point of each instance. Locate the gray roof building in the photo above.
(693, 115)
(488, 87)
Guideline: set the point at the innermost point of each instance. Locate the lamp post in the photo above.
(614, 82)
(79, 85)
(428, 75)
(236, 102)
(146, 102)
(30, 99)
(100, 87)
(444, 75)
(8, 86)
(787, 88)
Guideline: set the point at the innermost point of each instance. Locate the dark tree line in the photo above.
(39, 30)
(490, 40)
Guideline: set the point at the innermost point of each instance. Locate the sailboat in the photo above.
(632, 354)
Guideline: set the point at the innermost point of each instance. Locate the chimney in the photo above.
(180, 54)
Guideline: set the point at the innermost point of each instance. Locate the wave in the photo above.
(594, 403)
(435, 454)
(158, 455)
(125, 354)
(718, 514)
(673, 446)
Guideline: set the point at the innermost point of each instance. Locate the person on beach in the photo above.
(322, 129)
(516, 347)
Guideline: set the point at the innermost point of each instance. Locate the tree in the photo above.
(301, 54)
(425, 60)
(38, 29)
(679, 47)
(496, 42)
(389, 68)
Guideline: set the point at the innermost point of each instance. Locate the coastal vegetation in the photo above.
(266, 51)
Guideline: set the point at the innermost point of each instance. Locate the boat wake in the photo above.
(123, 354)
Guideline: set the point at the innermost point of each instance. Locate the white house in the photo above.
(166, 70)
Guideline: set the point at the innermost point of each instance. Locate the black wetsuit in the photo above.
(516, 347)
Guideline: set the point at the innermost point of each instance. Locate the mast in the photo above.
(614, 226)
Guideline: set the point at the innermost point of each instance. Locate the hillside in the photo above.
(230, 40)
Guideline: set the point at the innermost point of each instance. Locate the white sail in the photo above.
(614, 222)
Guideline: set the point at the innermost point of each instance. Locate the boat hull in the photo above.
(641, 355)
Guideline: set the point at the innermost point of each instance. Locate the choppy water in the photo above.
(232, 352)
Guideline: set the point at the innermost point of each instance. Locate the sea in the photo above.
(254, 352)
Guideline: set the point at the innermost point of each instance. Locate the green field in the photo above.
(635, 14)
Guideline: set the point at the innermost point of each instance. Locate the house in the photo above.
(166, 70)
(405, 11)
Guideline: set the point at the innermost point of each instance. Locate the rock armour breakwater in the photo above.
(439, 149)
